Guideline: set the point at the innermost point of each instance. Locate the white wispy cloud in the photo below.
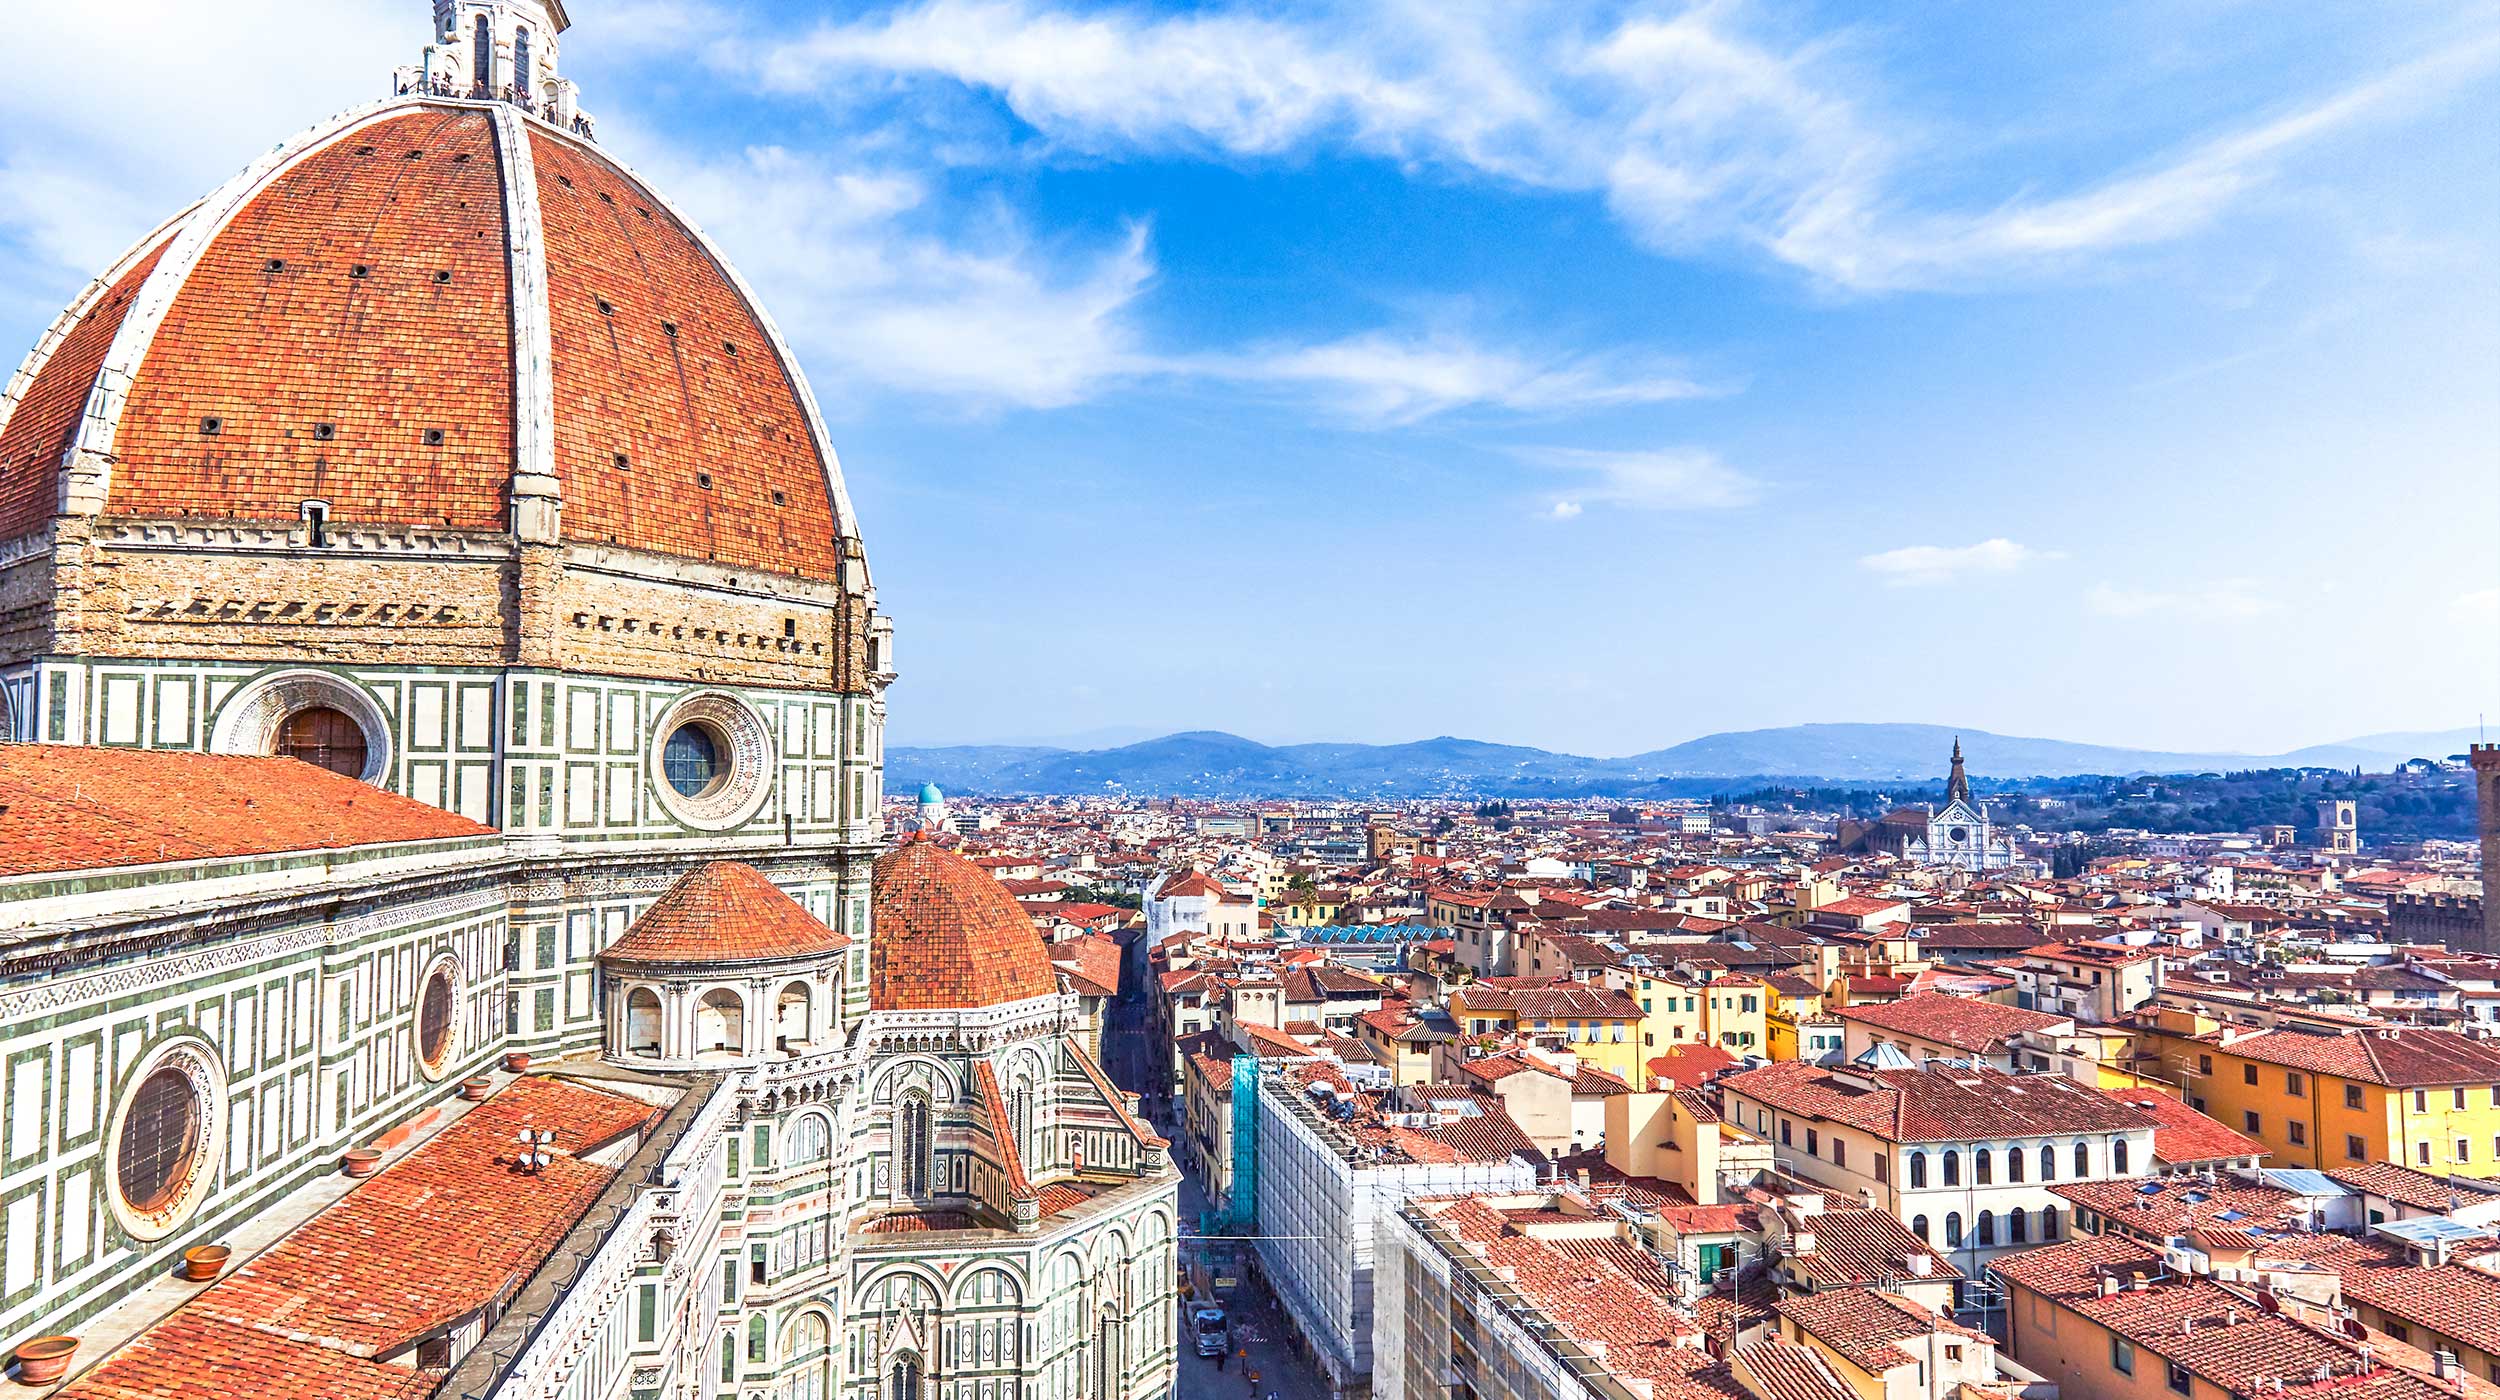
(1920, 564)
(1695, 128)
(1382, 379)
(2226, 600)
(2480, 608)
(1661, 479)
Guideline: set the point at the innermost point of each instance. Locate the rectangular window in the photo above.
(1813, 1147)
(2421, 1101)
(2399, 1331)
(2248, 1073)
(2292, 1084)
(1840, 1152)
(2422, 1153)
(2464, 1152)
(2204, 1064)
(2249, 1120)
(1784, 1132)
(2122, 1356)
(647, 1313)
(2179, 1379)
(2298, 1131)
(2353, 1148)
(2457, 1097)
(2352, 1096)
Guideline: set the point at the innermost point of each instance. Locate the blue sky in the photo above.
(1586, 375)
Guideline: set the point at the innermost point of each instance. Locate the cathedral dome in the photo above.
(946, 936)
(725, 912)
(436, 314)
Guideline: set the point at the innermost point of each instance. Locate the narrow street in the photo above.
(1265, 1362)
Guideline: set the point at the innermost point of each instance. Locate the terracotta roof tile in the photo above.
(944, 935)
(69, 807)
(725, 912)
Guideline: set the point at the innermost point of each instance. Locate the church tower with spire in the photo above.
(1959, 833)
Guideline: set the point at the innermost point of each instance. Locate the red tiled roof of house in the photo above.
(944, 935)
(1091, 963)
(70, 807)
(1777, 1370)
(2405, 1186)
(2185, 1135)
(724, 912)
(2398, 1057)
(1865, 1247)
(1974, 1026)
(1936, 1104)
(1863, 1324)
(1691, 1063)
(371, 1275)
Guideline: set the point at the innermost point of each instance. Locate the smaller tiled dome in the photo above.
(946, 936)
(725, 912)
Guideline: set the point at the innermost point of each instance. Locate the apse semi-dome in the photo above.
(948, 936)
(447, 311)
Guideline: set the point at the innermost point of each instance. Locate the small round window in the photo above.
(693, 761)
(1959, 834)
(160, 1139)
(324, 738)
(435, 1008)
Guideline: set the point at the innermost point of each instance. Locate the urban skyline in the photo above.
(2041, 345)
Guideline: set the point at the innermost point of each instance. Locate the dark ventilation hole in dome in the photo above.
(440, 278)
(623, 464)
(211, 427)
(433, 437)
(460, 159)
(704, 480)
(669, 329)
(364, 150)
(565, 180)
(416, 155)
(360, 271)
(606, 308)
(277, 264)
(780, 499)
(642, 211)
(324, 432)
(731, 346)
(606, 198)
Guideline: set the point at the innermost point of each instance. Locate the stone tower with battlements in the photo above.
(2486, 758)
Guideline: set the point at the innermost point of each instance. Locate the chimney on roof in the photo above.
(1918, 1265)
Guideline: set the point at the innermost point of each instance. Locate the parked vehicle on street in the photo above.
(1213, 1337)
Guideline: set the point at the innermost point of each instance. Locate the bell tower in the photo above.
(2486, 761)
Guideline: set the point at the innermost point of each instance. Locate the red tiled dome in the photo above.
(945, 935)
(410, 313)
(725, 912)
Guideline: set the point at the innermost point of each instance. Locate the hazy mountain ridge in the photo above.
(1206, 763)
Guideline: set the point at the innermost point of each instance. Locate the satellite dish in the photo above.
(2267, 1300)
(2354, 1329)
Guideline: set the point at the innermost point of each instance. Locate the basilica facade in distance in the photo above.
(448, 940)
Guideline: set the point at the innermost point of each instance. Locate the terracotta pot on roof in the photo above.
(44, 1360)
(202, 1262)
(360, 1161)
(476, 1089)
(518, 1061)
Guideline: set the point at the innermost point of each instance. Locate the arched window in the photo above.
(757, 1337)
(1952, 1167)
(914, 1146)
(482, 58)
(720, 1022)
(1984, 1167)
(521, 59)
(1953, 1230)
(728, 1340)
(2118, 1156)
(1987, 1228)
(2013, 1164)
(903, 1382)
(1918, 1169)
(808, 1140)
(642, 1022)
(2017, 1227)
(1020, 1120)
(810, 1343)
(793, 1021)
(2083, 1161)
(2048, 1222)
(1110, 1369)
(2048, 1162)
(324, 738)
(1918, 1226)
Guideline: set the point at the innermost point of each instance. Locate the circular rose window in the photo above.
(712, 761)
(166, 1134)
(438, 1019)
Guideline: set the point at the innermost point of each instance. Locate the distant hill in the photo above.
(1207, 763)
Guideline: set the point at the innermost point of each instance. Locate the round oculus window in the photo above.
(165, 1138)
(693, 762)
(1958, 834)
(436, 1006)
(712, 763)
